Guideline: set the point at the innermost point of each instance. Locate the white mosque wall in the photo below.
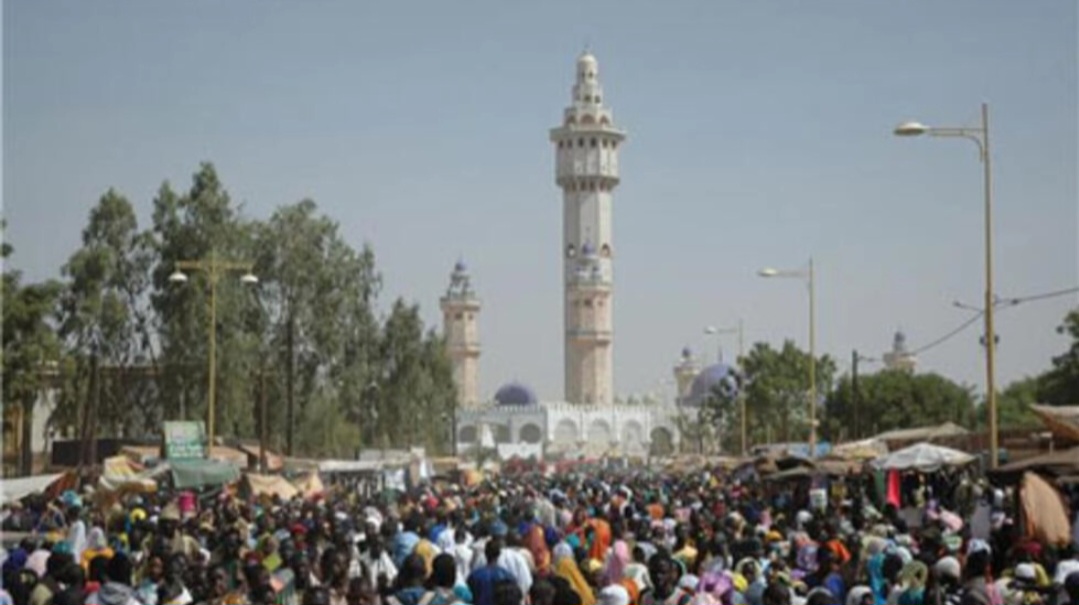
(557, 428)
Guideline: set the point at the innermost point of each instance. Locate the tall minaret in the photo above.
(684, 373)
(587, 171)
(459, 310)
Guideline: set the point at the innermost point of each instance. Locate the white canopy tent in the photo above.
(924, 457)
(18, 488)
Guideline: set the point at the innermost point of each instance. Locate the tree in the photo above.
(1013, 405)
(1060, 385)
(894, 399)
(194, 226)
(776, 387)
(105, 322)
(30, 346)
(318, 295)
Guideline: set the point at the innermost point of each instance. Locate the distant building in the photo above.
(899, 358)
(588, 420)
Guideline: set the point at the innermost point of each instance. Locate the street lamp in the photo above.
(214, 268)
(717, 332)
(980, 136)
(808, 275)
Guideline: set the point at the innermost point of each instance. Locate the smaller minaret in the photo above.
(460, 306)
(684, 372)
(899, 358)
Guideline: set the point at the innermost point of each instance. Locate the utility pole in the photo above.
(262, 419)
(857, 434)
(290, 391)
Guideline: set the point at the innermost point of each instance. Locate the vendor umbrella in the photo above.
(924, 457)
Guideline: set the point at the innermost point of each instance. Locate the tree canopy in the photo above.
(129, 347)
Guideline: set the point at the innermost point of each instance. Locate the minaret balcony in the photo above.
(466, 350)
(590, 335)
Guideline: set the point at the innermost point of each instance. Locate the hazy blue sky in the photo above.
(759, 133)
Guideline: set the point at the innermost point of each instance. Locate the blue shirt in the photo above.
(482, 583)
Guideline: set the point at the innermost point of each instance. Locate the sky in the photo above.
(759, 135)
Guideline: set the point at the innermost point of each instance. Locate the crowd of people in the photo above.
(635, 538)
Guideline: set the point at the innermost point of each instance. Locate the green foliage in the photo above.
(1060, 385)
(103, 315)
(30, 345)
(776, 388)
(308, 332)
(894, 399)
(1013, 405)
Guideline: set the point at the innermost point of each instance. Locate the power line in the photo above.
(1007, 302)
(963, 326)
(1022, 299)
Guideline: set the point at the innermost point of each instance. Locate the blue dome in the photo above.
(687, 352)
(460, 267)
(587, 249)
(515, 393)
(707, 380)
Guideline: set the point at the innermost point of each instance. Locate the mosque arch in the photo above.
(467, 434)
(502, 433)
(662, 441)
(632, 434)
(565, 432)
(530, 433)
(599, 433)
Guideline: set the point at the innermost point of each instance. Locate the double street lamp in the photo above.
(807, 275)
(980, 136)
(214, 268)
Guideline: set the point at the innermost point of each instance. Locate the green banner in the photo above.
(185, 440)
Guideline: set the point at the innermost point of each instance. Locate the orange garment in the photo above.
(633, 590)
(567, 569)
(90, 554)
(655, 511)
(601, 539)
(839, 550)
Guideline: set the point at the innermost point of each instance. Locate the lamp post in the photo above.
(980, 136)
(717, 332)
(214, 268)
(808, 275)
(743, 429)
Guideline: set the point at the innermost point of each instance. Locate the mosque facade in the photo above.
(588, 421)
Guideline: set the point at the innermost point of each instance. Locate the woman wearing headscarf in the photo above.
(96, 546)
(566, 568)
(617, 561)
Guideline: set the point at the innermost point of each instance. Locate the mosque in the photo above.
(587, 421)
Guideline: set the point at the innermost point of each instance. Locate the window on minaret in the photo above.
(459, 316)
(593, 142)
(597, 100)
(580, 142)
(605, 250)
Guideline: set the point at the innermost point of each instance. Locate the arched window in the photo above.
(597, 99)
(571, 251)
(588, 119)
(570, 120)
(603, 143)
(580, 142)
(592, 143)
(588, 98)
(605, 250)
(604, 121)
